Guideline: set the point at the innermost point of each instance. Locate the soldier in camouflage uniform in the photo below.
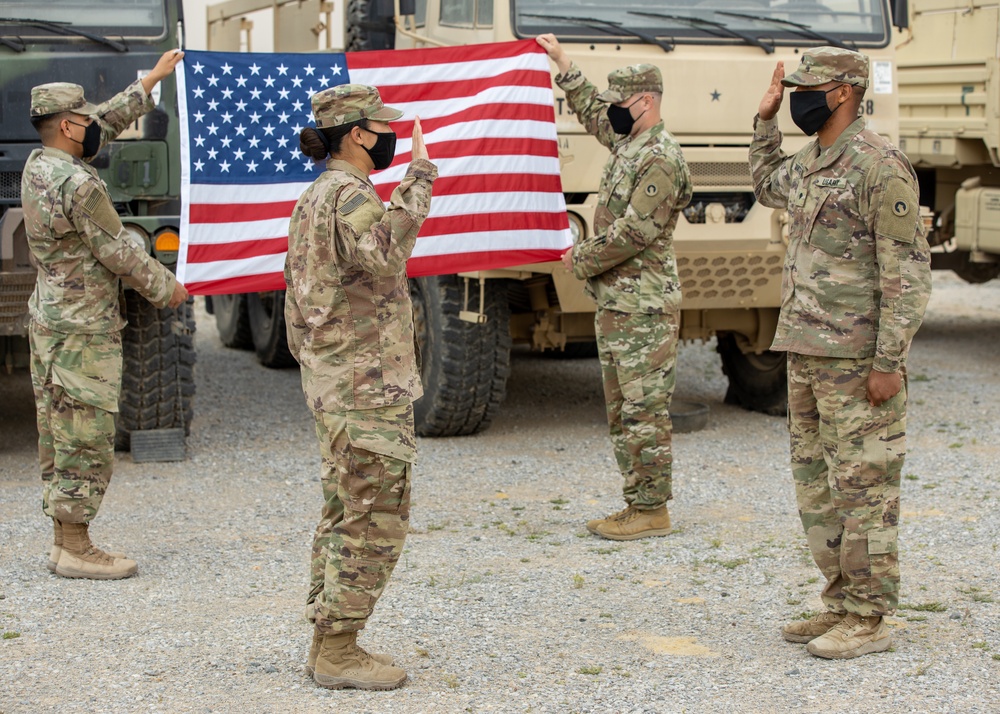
(856, 282)
(350, 326)
(631, 274)
(83, 256)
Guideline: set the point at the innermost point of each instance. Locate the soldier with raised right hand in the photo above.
(855, 285)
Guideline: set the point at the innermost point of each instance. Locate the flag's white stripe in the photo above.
(223, 269)
(185, 173)
(492, 240)
(450, 72)
(486, 129)
(495, 95)
(245, 194)
(238, 232)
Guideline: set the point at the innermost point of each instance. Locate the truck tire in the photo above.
(266, 312)
(157, 369)
(233, 321)
(366, 30)
(464, 366)
(756, 382)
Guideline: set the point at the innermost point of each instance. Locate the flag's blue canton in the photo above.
(245, 112)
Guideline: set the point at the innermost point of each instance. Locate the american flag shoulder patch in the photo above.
(352, 204)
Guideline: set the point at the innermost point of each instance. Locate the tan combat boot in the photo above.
(635, 524)
(57, 548)
(804, 631)
(314, 653)
(592, 525)
(341, 663)
(853, 637)
(80, 559)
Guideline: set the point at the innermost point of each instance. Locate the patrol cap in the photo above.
(349, 103)
(829, 64)
(624, 82)
(57, 97)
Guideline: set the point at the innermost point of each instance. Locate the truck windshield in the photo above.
(848, 23)
(116, 18)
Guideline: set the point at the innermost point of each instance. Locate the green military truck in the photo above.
(949, 127)
(103, 45)
(716, 57)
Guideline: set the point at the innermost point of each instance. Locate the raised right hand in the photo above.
(771, 102)
(556, 53)
(418, 149)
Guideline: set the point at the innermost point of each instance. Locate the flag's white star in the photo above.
(198, 67)
(283, 93)
(225, 141)
(324, 80)
(269, 81)
(282, 69)
(213, 105)
(282, 141)
(227, 118)
(309, 69)
(255, 118)
(199, 140)
(240, 153)
(296, 81)
(213, 80)
(241, 130)
(254, 68)
(199, 165)
(297, 129)
(198, 116)
(267, 154)
(269, 105)
(297, 105)
(255, 94)
(336, 69)
(227, 94)
(309, 165)
(269, 130)
(283, 118)
(280, 166)
(198, 91)
(241, 106)
(212, 129)
(241, 81)
(212, 153)
(296, 154)
(224, 167)
(253, 141)
(227, 68)
(252, 166)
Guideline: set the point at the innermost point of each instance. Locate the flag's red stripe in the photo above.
(462, 262)
(446, 225)
(464, 88)
(487, 147)
(481, 112)
(241, 284)
(387, 59)
(239, 212)
(238, 250)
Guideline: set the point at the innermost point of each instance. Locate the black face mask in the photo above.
(621, 118)
(91, 139)
(384, 149)
(810, 110)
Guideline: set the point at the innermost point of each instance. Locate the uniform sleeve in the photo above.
(296, 328)
(116, 114)
(904, 263)
(379, 240)
(581, 96)
(769, 166)
(97, 222)
(662, 186)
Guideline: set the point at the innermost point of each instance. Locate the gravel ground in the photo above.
(502, 601)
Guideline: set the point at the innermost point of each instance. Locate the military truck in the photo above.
(949, 127)
(102, 45)
(717, 57)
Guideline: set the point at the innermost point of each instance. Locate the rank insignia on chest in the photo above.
(900, 207)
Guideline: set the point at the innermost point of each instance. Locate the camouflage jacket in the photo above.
(629, 262)
(76, 236)
(857, 269)
(347, 311)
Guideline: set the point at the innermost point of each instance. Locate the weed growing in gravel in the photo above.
(929, 486)
(11, 635)
(920, 671)
(977, 594)
(590, 670)
(525, 560)
(916, 618)
(437, 526)
(577, 581)
(716, 543)
(606, 551)
(996, 657)
(911, 477)
(919, 378)
(923, 607)
(980, 645)
(451, 680)
(807, 614)
(729, 564)
(421, 652)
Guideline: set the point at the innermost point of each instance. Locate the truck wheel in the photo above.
(233, 321)
(464, 366)
(756, 382)
(366, 30)
(266, 312)
(977, 273)
(157, 369)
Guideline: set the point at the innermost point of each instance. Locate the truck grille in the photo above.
(720, 173)
(10, 185)
(729, 277)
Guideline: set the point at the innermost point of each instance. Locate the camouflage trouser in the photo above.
(76, 439)
(847, 457)
(367, 465)
(637, 353)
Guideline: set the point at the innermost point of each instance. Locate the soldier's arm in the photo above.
(116, 114)
(295, 324)
(769, 166)
(581, 96)
(382, 246)
(97, 222)
(662, 186)
(904, 263)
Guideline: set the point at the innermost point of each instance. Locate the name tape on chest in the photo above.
(830, 182)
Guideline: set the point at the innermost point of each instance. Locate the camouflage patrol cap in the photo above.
(349, 103)
(624, 82)
(829, 64)
(57, 97)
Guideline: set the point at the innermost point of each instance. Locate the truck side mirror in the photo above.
(407, 7)
(900, 13)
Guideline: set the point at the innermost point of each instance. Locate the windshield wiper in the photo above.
(65, 28)
(598, 24)
(749, 39)
(16, 45)
(803, 30)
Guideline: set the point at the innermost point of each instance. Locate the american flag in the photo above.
(488, 122)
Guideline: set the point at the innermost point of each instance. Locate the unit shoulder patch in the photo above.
(898, 214)
(651, 191)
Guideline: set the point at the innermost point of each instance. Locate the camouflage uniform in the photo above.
(350, 326)
(856, 282)
(83, 255)
(631, 274)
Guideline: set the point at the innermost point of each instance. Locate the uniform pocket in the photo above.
(883, 558)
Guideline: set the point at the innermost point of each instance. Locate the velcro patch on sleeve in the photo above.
(96, 206)
(352, 204)
(654, 188)
(899, 212)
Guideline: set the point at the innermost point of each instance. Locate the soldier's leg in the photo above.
(606, 326)
(43, 407)
(867, 462)
(809, 431)
(333, 508)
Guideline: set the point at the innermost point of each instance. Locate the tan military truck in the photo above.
(949, 127)
(716, 57)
